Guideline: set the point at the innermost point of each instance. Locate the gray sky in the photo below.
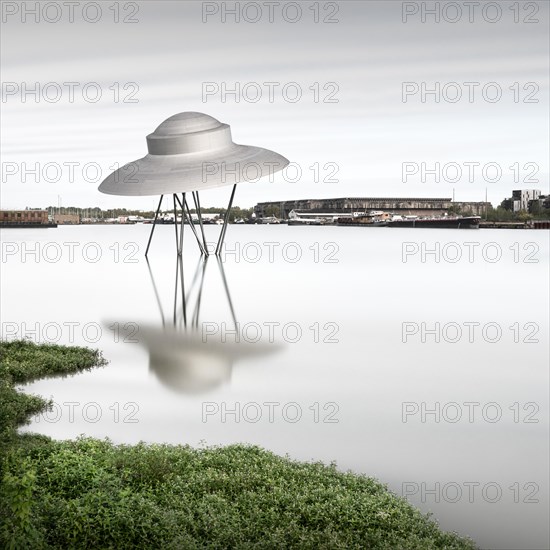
(360, 140)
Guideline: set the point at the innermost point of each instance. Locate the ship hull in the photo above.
(361, 221)
(360, 224)
(24, 225)
(443, 223)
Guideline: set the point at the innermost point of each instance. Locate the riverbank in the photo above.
(531, 224)
(92, 493)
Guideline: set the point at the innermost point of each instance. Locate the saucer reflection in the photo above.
(180, 355)
(186, 363)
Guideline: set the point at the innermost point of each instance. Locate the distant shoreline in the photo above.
(535, 224)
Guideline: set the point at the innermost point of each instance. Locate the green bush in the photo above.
(90, 493)
(23, 361)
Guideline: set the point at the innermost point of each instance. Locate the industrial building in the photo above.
(347, 205)
(23, 217)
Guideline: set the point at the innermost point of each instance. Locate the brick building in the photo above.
(23, 217)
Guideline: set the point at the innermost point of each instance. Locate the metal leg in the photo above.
(154, 224)
(174, 197)
(181, 203)
(225, 222)
(199, 215)
(190, 219)
(180, 250)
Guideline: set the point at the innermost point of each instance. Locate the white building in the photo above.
(521, 198)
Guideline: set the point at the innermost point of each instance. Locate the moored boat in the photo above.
(375, 218)
(454, 222)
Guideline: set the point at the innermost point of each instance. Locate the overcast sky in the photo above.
(164, 60)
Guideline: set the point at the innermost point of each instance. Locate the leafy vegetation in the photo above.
(272, 210)
(91, 493)
(234, 214)
(504, 212)
(23, 361)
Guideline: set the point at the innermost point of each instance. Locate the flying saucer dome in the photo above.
(190, 152)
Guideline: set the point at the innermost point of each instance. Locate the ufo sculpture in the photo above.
(190, 152)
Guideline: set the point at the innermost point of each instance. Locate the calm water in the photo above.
(337, 358)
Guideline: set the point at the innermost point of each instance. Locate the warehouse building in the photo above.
(23, 217)
(347, 205)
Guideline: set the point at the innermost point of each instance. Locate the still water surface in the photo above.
(337, 357)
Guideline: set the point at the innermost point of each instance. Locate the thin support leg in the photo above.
(190, 220)
(174, 197)
(225, 222)
(199, 215)
(154, 224)
(181, 203)
(180, 251)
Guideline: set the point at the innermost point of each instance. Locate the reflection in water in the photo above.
(179, 355)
